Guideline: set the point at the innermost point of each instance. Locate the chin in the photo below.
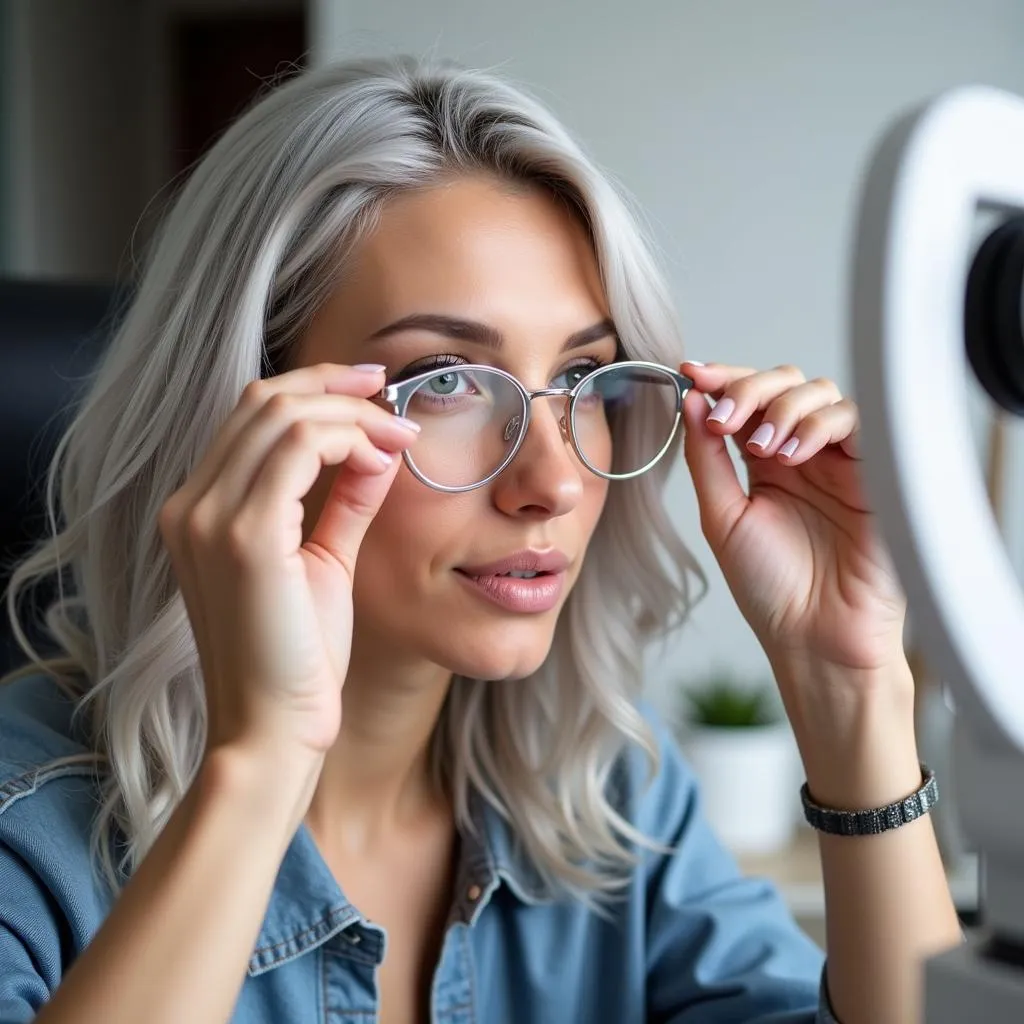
(500, 652)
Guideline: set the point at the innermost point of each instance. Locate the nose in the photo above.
(545, 477)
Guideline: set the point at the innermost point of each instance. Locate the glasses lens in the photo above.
(470, 421)
(624, 417)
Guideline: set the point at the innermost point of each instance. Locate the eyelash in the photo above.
(437, 362)
(443, 359)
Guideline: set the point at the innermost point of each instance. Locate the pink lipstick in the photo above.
(524, 582)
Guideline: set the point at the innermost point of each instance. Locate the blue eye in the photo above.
(435, 362)
(446, 383)
(571, 376)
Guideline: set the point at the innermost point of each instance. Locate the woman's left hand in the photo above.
(799, 548)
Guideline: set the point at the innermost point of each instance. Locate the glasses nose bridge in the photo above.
(547, 392)
(564, 393)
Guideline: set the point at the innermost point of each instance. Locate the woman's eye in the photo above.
(573, 375)
(436, 362)
(446, 383)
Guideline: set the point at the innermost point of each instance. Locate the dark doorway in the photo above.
(219, 63)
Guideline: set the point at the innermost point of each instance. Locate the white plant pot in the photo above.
(747, 776)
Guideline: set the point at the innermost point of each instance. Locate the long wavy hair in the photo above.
(249, 250)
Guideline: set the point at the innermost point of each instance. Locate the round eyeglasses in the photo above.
(619, 419)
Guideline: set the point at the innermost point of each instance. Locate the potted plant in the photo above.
(740, 746)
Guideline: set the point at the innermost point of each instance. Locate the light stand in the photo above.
(927, 311)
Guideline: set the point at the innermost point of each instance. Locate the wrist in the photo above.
(830, 704)
(866, 785)
(269, 788)
(856, 735)
(865, 767)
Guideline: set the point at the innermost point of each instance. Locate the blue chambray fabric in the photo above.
(690, 941)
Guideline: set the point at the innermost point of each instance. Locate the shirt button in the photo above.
(473, 893)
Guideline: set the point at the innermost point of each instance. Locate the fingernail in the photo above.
(762, 437)
(789, 448)
(369, 367)
(722, 411)
(692, 362)
(386, 457)
(408, 424)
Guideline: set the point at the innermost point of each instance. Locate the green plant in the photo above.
(724, 702)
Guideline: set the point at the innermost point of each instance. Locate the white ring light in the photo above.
(929, 176)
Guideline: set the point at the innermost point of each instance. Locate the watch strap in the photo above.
(875, 820)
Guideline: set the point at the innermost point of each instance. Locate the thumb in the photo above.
(721, 498)
(352, 502)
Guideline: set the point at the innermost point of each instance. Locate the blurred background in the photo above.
(740, 128)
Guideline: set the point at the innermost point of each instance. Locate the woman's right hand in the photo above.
(271, 612)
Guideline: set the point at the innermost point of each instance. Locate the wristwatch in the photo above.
(875, 820)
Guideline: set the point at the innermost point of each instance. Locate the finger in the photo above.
(714, 378)
(171, 533)
(721, 498)
(782, 416)
(852, 445)
(294, 466)
(321, 379)
(352, 502)
(743, 396)
(188, 532)
(268, 523)
(836, 424)
(187, 525)
(388, 432)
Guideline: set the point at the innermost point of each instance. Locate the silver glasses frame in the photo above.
(398, 395)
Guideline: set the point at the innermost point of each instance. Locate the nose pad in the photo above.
(563, 425)
(512, 428)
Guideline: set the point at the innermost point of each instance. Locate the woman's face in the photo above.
(519, 265)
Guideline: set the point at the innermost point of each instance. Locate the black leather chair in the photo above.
(51, 334)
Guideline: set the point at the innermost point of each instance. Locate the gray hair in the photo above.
(247, 254)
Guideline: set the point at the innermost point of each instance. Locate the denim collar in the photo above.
(308, 906)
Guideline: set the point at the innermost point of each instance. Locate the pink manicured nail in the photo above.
(386, 457)
(368, 367)
(692, 362)
(408, 424)
(789, 448)
(722, 411)
(762, 437)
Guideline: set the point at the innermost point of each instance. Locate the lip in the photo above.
(551, 561)
(532, 596)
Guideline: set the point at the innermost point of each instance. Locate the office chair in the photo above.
(51, 335)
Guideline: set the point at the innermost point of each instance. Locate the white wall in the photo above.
(741, 127)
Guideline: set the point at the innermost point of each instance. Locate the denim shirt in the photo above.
(690, 941)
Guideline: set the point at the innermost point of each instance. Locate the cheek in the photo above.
(595, 494)
(401, 527)
(415, 530)
(418, 530)
(594, 437)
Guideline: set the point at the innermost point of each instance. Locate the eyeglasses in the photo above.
(619, 419)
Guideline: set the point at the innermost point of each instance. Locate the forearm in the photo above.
(887, 900)
(887, 908)
(176, 944)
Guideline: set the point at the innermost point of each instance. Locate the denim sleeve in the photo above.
(30, 941)
(721, 948)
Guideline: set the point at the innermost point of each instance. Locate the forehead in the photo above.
(477, 248)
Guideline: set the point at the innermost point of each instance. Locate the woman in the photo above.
(363, 516)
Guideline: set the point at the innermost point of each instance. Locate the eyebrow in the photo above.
(483, 334)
